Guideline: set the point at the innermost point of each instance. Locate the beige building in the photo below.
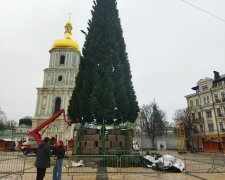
(58, 85)
(206, 109)
(23, 129)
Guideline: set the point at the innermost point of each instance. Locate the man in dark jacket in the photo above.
(43, 158)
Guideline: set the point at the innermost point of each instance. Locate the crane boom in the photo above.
(35, 132)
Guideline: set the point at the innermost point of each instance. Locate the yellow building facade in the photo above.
(206, 109)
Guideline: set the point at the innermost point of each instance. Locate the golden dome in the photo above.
(67, 41)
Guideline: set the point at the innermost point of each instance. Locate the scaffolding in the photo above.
(119, 141)
(181, 139)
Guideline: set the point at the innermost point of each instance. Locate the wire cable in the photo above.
(206, 12)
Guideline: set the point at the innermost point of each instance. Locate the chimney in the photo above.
(216, 75)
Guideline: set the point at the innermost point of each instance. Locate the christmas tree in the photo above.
(104, 91)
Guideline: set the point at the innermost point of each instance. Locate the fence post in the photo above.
(68, 165)
(224, 159)
(117, 164)
(213, 165)
(24, 163)
(185, 165)
(120, 164)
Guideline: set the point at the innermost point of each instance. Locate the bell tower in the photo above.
(58, 84)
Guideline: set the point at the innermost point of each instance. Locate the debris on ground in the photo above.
(166, 162)
(75, 164)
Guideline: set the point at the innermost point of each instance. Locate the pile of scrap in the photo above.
(166, 162)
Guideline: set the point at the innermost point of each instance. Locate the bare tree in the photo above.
(189, 128)
(3, 119)
(154, 121)
(181, 114)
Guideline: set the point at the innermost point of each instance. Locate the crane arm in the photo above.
(35, 132)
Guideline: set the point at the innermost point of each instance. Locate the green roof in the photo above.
(24, 126)
(6, 132)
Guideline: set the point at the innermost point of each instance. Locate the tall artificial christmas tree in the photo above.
(104, 91)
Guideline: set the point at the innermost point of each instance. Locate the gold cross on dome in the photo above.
(69, 15)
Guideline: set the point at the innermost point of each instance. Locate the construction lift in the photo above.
(28, 146)
(181, 139)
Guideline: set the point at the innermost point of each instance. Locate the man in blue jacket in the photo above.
(43, 158)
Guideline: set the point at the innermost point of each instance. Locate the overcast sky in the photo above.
(170, 44)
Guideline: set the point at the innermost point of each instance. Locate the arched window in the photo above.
(57, 104)
(62, 59)
(60, 78)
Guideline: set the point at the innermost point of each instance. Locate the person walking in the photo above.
(59, 153)
(43, 158)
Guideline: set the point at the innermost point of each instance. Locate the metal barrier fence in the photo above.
(198, 162)
(218, 162)
(108, 165)
(11, 163)
(92, 164)
(133, 163)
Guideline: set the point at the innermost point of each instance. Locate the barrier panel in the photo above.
(198, 162)
(92, 164)
(11, 164)
(134, 164)
(219, 162)
(122, 163)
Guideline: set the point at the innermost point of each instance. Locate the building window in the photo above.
(208, 101)
(211, 127)
(74, 62)
(57, 104)
(193, 116)
(223, 96)
(221, 126)
(220, 83)
(62, 59)
(219, 112)
(208, 114)
(197, 102)
(216, 98)
(199, 115)
(204, 100)
(204, 88)
(60, 78)
(191, 103)
(201, 128)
